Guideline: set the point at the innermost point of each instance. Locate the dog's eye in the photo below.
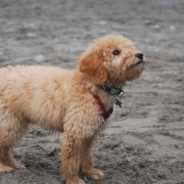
(116, 52)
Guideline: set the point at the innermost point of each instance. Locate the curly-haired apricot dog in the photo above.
(77, 103)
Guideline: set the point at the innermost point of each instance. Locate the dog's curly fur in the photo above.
(59, 100)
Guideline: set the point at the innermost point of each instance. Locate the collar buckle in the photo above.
(113, 91)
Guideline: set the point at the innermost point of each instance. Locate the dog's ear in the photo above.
(91, 63)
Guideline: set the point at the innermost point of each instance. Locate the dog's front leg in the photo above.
(87, 165)
(70, 158)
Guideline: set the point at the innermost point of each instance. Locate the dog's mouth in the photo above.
(139, 62)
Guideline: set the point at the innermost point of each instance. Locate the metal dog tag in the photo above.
(118, 102)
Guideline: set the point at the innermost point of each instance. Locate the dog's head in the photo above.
(112, 59)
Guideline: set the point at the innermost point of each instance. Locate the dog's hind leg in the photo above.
(7, 158)
(4, 168)
(11, 131)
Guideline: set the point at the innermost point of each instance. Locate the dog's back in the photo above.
(35, 92)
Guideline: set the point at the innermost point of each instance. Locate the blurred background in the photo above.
(145, 143)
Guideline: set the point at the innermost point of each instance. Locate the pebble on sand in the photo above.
(39, 58)
(103, 23)
(148, 22)
(156, 27)
(32, 35)
(3, 57)
(172, 28)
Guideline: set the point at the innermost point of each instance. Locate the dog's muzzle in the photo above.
(140, 58)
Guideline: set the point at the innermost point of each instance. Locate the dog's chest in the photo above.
(108, 101)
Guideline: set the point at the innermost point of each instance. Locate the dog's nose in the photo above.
(139, 55)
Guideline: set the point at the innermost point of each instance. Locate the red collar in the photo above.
(105, 113)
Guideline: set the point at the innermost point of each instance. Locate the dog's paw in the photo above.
(95, 174)
(5, 169)
(18, 165)
(74, 180)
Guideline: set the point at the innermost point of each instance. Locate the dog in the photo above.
(76, 103)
